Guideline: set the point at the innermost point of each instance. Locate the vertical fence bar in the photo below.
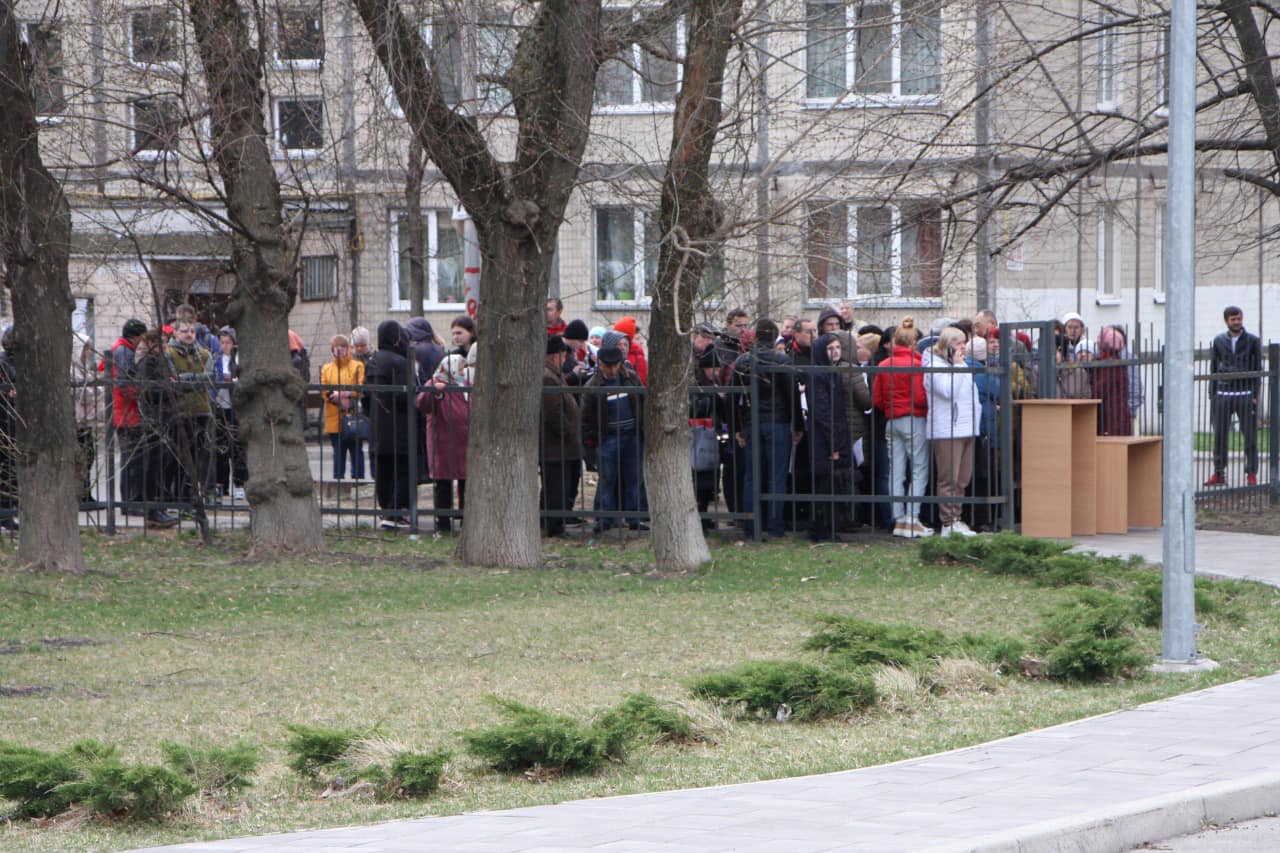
(1006, 427)
(1273, 416)
(754, 442)
(109, 441)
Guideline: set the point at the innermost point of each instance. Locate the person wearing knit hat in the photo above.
(577, 364)
(617, 340)
(1074, 326)
(596, 337)
(613, 424)
(576, 333)
(635, 350)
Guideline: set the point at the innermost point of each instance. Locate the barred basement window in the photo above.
(319, 278)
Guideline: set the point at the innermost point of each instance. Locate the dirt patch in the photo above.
(1265, 521)
(10, 691)
(47, 644)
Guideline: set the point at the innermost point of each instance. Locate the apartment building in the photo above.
(850, 131)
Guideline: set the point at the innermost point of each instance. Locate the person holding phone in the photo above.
(953, 422)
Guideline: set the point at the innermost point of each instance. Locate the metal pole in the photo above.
(1273, 418)
(1178, 645)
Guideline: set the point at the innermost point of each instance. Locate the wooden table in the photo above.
(1130, 488)
(1059, 467)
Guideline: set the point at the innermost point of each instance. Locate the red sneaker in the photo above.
(1253, 479)
(1216, 480)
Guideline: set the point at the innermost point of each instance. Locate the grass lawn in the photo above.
(170, 641)
(1235, 441)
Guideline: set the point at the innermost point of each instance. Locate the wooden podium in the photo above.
(1059, 467)
(1130, 493)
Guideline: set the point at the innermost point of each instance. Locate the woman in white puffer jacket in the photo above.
(954, 420)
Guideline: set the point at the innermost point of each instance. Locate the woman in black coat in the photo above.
(392, 427)
(829, 439)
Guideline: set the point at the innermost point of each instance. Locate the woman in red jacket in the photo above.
(900, 396)
(635, 351)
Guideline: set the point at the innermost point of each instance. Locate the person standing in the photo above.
(447, 406)
(1235, 351)
(190, 431)
(828, 436)
(390, 426)
(954, 418)
(156, 405)
(125, 417)
(899, 394)
(560, 448)
(344, 370)
(613, 422)
(231, 470)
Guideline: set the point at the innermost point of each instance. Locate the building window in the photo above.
(157, 124)
(300, 37)
(443, 286)
(82, 323)
(874, 251)
(877, 51)
(46, 69)
(300, 125)
(1160, 252)
(318, 278)
(1108, 270)
(637, 78)
(153, 37)
(1107, 44)
(626, 254)
(495, 53)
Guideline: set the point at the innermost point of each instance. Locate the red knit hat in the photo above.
(626, 325)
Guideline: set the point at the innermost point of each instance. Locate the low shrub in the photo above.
(213, 769)
(47, 783)
(642, 717)
(532, 737)
(316, 748)
(1089, 637)
(415, 774)
(1148, 595)
(861, 642)
(811, 692)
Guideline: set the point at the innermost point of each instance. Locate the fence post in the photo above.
(1273, 414)
(1006, 427)
(109, 440)
(754, 438)
(411, 424)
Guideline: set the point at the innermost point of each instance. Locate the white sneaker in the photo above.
(901, 528)
(388, 524)
(239, 494)
(916, 530)
(959, 528)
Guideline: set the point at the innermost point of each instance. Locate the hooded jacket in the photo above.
(857, 394)
(193, 365)
(954, 408)
(426, 352)
(392, 429)
(828, 421)
(124, 398)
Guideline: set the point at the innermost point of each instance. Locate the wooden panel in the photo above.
(1084, 470)
(1146, 482)
(1052, 457)
(1113, 487)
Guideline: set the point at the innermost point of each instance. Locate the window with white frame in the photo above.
(1107, 66)
(153, 37)
(46, 69)
(495, 45)
(300, 37)
(299, 125)
(443, 286)
(1108, 256)
(1160, 252)
(1162, 69)
(157, 125)
(875, 251)
(644, 74)
(877, 51)
(626, 254)
(318, 277)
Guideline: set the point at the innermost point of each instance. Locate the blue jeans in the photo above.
(775, 455)
(341, 449)
(618, 463)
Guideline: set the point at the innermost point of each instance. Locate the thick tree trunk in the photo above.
(36, 235)
(417, 167)
(517, 208)
(689, 221)
(508, 386)
(269, 395)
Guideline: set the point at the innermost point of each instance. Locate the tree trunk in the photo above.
(508, 385)
(36, 234)
(689, 221)
(269, 395)
(517, 209)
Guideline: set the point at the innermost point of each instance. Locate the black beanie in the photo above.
(576, 331)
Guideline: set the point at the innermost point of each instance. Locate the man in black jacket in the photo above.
(1235, 351)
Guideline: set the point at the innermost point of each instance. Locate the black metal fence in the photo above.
(820, 462)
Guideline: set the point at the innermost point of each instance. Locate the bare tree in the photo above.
(689, 219)
(36, 235)
(269, 393)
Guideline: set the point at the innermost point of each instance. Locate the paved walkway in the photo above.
(1104, 783)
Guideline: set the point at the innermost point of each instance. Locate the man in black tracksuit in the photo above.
(1235, 351)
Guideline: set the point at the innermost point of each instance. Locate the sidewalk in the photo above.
(1103, 783)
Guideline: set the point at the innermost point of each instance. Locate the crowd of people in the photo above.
(804, 412)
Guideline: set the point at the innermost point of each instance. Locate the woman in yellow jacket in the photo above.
(343, 370)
